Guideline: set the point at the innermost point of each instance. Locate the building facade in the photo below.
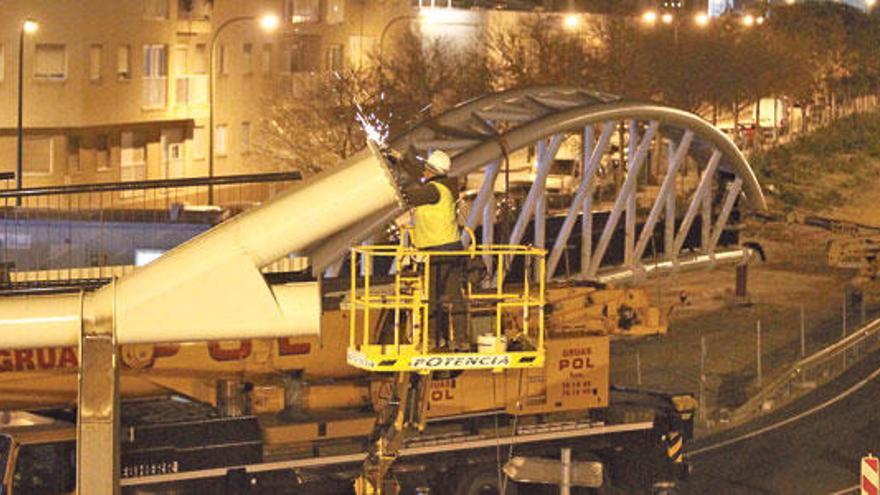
(118, 90)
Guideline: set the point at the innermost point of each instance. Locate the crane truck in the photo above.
(270, 405)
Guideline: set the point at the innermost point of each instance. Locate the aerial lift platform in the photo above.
(404, 345)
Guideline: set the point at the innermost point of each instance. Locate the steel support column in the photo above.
(97, 431)
(487, 191)
(586, 208)
(702, 188)
(669, 231)
(543, 168)
(630, 227)
(666, 189)
(581, 201)
(733, 190)
(629, 183)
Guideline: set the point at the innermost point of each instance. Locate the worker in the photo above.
(436, 229)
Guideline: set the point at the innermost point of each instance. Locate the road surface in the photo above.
(812, 446)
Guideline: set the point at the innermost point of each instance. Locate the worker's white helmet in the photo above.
(439, 162)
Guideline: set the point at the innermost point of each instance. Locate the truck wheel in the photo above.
(483, 480)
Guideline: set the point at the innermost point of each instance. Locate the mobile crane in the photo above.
(296, 412)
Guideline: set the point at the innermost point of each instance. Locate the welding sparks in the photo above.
(375, 129)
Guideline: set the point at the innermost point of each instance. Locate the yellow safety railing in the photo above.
(408, 298)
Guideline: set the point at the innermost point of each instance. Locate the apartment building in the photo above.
(117, 90)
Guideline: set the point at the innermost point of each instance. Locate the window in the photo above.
(245, 143)
(300, 11)
(123, 62)
(220, 140)
(266, 62)
(95, 62)
(200, 142)
(45, 468)
(155, 9)
(194, 10)
(73, 164)
(359, 47)
(302, 55)
(132, 157)
(200, 63)
(222, 60)
(102, 153)
(247, 51)
(38, 153)
(155, 73)
(335, 11)
(51, 62)
(334, 57)
(2, 61)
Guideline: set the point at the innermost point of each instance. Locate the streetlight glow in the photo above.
(649, 17)
(269, 22)
(667, 18)
(571, 21)
(701, 19)
(759, 20)
(748, 20)
(30, 26)
(869, 4)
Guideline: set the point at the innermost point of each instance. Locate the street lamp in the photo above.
(748, 20)
(649, 17)
(268, 22)
(29, 26)
(701, 19)
(667, 18)
(571, 22)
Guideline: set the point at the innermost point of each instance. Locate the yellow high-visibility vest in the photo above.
(435, 223)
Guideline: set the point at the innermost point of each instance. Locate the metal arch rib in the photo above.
(578, 117)
(597, 108)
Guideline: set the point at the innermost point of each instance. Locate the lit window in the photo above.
(266, 61)
(95, 62)
(220, 136)
(155, 73)
(245, 144)
(155, 9)
(51, 62)
(247, 51)
(335, 11)
(123, 62)
(300, 11)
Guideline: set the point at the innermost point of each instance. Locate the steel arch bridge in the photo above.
(486, 134)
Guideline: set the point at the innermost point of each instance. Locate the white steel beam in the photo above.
(667, 188)
(586, 212)
(487, 190)
(636, 160)
(669, 231)
(702, 188)
(630, 226)
(582, 196)
(733, 190)
(545, 157)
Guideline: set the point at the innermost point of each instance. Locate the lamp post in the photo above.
(29, 26)
(388, 25)
(267, 22)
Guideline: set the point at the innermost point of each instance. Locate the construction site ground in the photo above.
(795, 276)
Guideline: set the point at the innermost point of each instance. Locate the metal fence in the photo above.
(54, 235)
(811, 372)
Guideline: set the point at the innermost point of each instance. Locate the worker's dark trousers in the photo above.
(447, 275)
